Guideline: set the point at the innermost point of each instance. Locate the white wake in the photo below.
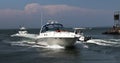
(34, 44)
(105, 42)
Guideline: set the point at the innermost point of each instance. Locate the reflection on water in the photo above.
(55, 55)
(58, 52)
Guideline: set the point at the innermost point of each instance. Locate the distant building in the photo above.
(116, 27)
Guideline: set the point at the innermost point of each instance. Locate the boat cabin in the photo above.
(22, 30)
(52, 27)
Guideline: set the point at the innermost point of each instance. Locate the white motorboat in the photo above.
(53, 33)
(23, 33)
(80, 35)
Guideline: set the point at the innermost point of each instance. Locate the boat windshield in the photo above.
(22, 29)
(52, 27)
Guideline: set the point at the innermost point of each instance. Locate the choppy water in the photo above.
(100, 49)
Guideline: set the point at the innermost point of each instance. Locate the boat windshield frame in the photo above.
(52, 27)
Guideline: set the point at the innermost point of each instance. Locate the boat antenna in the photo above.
(41, 21)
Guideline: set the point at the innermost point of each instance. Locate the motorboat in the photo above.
(80, 36)
(54, 33)
(24, 33)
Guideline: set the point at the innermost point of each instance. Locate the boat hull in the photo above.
(65, 42)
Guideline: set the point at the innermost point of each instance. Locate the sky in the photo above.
(71, 13)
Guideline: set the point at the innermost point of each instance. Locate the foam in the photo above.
(55, 47)
(34, 44)
(105, 42)
(82, 44)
